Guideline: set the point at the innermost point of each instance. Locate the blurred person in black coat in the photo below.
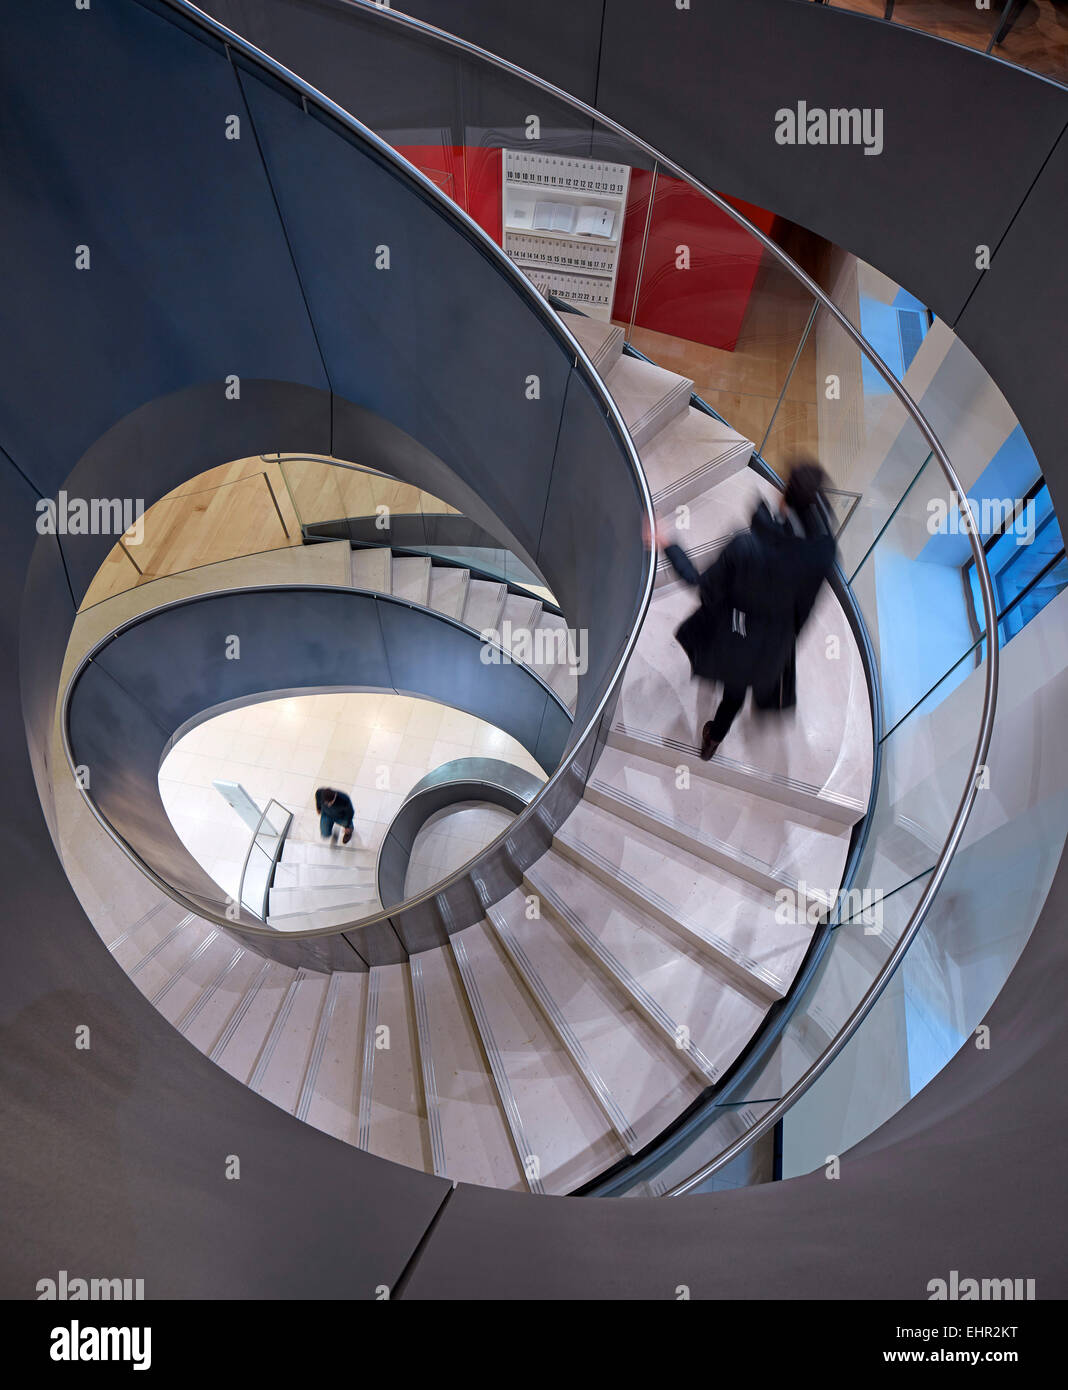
(755, 599)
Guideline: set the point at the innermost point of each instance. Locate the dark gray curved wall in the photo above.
(112, 1160)
(160, 675)
(255, 259)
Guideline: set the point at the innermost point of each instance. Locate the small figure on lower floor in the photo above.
(755, 599)
(335, 809)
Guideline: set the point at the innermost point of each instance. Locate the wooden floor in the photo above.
(246, 507)
(1037, 40)
(239, 508)
(743, 385)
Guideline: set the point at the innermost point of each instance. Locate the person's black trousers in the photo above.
(732, 700)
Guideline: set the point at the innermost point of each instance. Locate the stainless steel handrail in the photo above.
(488, 774)
(960, 819)
(986, 721)
(206, 914)
(333, 463)
(480, 572)
(550, 319)
(281, 834)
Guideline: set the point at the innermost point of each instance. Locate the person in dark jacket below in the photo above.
(334, 808)
(755, 599)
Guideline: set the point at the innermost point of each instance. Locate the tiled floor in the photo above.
(450, 838)
(375, 747)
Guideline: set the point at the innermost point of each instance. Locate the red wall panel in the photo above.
(470, 175)
(705, 303)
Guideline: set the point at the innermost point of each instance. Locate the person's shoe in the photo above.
(708, 743)
(347, 836)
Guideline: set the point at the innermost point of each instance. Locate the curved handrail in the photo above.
(499, 781)
(479, 571)
(273, 801)
(986, 721)
(220, 919)
(964, 807)
(558, 782)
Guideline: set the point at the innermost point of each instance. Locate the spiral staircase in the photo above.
(587, 987)
(590, 1007)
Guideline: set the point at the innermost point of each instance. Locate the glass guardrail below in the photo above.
(706, 288)
(261, 861)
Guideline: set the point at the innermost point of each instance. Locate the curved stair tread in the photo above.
(648, 397)
(287, 1048)
(476, 1143)
(638, 1078)
(729, 918)
(392, 1112)
(771, 845)
(603, 342)
(566, 1138)
(718, 1013)
(330, 1093)
(692, 453)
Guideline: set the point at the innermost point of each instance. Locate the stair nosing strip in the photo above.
(145, 917)
(311, 1075)
(191, 1013)
(590, 1074)
(776, 881)
(426, 1066)
(234, 1021)
(316, 912)
(161, 944)
(629, 982)
(163, 989)
(703, 549)
(281, 1018)
(367, 1070)
(709, 466)
(717, 943)
(512, 1115)
(777, 779)
(709, 842)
